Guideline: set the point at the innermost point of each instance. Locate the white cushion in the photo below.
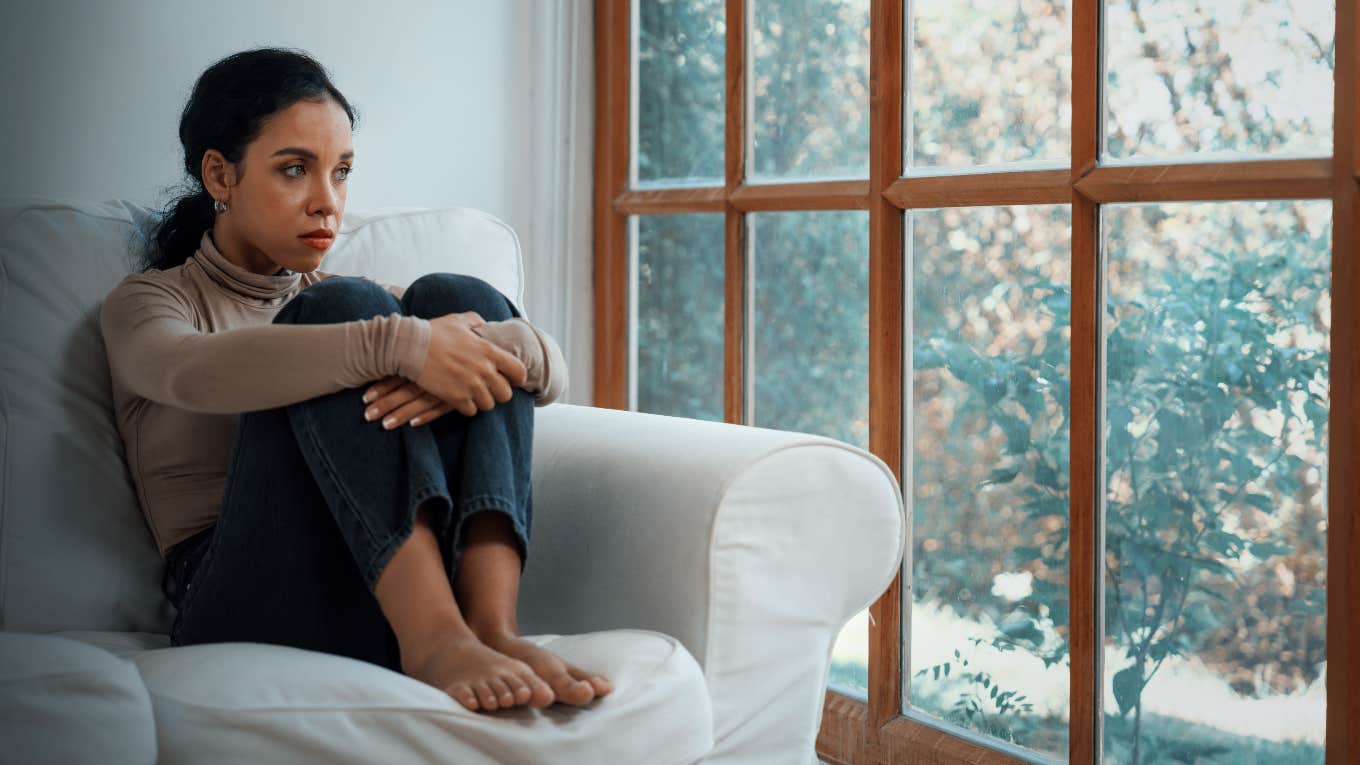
(75, 552)
(397, 245)
(68, 702)
(253, 702)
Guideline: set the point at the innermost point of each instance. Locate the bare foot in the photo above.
(476, 675)
(570, 683)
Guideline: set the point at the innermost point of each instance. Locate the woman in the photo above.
(250, 388)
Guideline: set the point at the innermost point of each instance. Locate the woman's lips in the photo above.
(319, 242)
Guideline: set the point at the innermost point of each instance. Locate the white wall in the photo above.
(92, 91)
(441, 87)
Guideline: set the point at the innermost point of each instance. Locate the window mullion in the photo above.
(886, 657)
(1343, 426)
(1085, 534)
(612, 75)
(736, 323)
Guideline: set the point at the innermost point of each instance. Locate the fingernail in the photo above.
(370, 414)
(415, 420)
(368, 397)
(387, 423)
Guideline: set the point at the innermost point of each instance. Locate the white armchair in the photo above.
(705, 568)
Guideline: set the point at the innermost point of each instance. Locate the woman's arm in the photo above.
(156, 350)
(542, 358)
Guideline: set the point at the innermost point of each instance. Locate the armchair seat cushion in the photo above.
(255, 702)
(64, 701)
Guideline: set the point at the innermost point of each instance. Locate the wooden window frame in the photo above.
(852, 731)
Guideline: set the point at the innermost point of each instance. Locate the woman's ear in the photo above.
(219, 175)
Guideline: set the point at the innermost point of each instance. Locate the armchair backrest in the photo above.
(75, 552)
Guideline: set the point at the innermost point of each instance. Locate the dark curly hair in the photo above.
(228, 107)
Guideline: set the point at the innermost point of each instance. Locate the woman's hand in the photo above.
(465, 370)
(396, 401)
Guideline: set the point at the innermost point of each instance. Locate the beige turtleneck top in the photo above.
(191, 347)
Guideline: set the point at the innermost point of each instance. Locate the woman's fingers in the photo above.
(383, 387)
(500, 388)
(509, 365)
(485, 401)
(416, 407)
(477, 400)
(381, 408)
(432, 414)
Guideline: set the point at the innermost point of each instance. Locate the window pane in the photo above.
(679, 91)
(810, 323)
(1229, 77)
(991, 338)
(990, 82)
(810, 346)
(679, 315)
(850, 658)
(1218, 319)
(809, 89)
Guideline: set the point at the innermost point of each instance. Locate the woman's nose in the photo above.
(326, 200)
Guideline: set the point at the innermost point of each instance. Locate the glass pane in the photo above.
(679, 315)
(991, 339)
(850, 658)
(991, 83)
(679, 91)
(1230, 77)
(810, 346)
(810, 323)
(809, 89)
(1216, 397)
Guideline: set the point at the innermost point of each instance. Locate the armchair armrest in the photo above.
(751, 546)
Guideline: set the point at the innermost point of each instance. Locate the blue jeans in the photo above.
(318, 499)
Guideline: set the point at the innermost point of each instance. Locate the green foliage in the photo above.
(680, 315)
(980, 695)
(1212, 361)
(681, 54)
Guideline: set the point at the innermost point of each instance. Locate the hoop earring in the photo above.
(219, 206)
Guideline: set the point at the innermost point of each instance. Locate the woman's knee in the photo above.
(439, 293)
(338, 299)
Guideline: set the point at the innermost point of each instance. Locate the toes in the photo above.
(539, 693)
(598, 685)
(503, 695)
(543, 694)
(484, 695)
(571, 690)
(463, 694)
(523, 693)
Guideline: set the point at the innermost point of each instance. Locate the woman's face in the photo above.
(292, 181)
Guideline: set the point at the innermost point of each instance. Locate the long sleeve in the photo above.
(157, 351)
(542, 358)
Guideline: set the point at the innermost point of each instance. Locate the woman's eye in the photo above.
(347, 170)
